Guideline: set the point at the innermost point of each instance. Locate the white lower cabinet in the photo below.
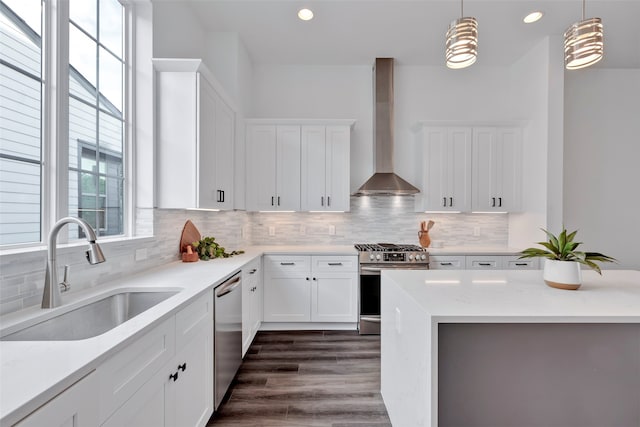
(74, 407)
(166, 377)
(251, 302)
(310, 288)
(481, 262)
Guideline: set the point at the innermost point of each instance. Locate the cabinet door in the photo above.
(458, 169)
(288, 168)
(337, 176)
(77, 406)
(207, 165)
(190, 395)
(261, 167)
(224, 158)
(251, 307)
(334, 297)
(334, 288)
(497, 171)
(146, 408)
(176, 158)
(314, 169)
(287, 289)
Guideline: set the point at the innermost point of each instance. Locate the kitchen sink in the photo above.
(92, 319)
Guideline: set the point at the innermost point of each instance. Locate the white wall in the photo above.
(532, 100)
(322, 92)
(177, 33)
(601, 161)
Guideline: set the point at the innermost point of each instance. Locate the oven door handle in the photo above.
(377, 270)
(370, 319)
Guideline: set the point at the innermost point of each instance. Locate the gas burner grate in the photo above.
(387, 247)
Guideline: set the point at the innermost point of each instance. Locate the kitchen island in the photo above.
(500, 348)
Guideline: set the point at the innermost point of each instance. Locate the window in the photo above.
(94, 63)
(21, 86)
(96, 121)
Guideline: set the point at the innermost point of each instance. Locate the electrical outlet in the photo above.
(476, 231)
(272, 230)
(141, 254)
(332, 230)
(303, 229)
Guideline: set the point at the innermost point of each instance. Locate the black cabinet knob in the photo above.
(174, 377)
(183, 366)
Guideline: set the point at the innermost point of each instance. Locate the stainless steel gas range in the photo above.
(372, 259)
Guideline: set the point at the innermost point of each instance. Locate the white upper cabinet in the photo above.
(195, 137)
(295, 165)
(497, 169)
(444, 169)
(325, 168)
(273, 168)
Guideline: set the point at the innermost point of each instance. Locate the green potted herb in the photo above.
(207, 248)
(562, 260)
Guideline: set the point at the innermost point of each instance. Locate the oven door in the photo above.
(369, 322)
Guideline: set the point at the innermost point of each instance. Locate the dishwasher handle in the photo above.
(228, 287)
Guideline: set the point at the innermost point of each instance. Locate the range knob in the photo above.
(378, 257)
(371, 257)
(423, 257)
(410, 257)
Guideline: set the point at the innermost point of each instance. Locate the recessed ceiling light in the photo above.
(533, 17)
(305, 14)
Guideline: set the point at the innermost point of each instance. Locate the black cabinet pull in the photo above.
(493, 202)
(444, 201)
(174, 377)
(315, 279)
(521, 264)
(328, 200)
(485, 264)
(450, 201)
(500, 201)
(222, 196)
(446, 263)
(271, 200)
(253, 271)
(321, 200)
(335, 263)
(306, 278)
(183, 367)
(278, 200)
(287, 263)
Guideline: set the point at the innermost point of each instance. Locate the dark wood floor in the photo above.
(307, 379)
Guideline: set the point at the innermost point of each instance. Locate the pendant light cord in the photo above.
(583, 6)
(462, 9)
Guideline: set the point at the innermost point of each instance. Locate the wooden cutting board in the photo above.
(189, 235)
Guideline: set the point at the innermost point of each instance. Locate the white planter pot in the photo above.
(562, 274)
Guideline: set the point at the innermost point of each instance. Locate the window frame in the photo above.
(54, 125)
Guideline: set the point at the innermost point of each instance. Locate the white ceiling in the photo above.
(353, 32)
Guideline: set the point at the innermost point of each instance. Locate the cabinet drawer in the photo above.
(123, 374)
(191, 319)
(513, 263)
(446, 262)
(283, 264)
(331, 264)
(482, 262)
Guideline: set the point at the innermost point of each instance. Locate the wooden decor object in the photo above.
(189, 235)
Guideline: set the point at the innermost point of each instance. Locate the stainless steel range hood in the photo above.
(384, 181)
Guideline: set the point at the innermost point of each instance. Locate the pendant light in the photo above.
(583, 43)
(462, 41)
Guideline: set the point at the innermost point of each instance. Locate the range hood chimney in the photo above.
(384, 181)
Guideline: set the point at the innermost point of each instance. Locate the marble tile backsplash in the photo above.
(371, 219)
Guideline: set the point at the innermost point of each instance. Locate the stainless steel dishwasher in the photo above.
(228, 334)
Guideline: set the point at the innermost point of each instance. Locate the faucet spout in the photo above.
(51, 295)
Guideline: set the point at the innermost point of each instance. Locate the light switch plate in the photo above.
(332, 230)
(272, 230)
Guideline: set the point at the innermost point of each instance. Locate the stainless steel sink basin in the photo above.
(92, 319)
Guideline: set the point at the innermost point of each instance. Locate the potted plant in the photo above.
(562, 260)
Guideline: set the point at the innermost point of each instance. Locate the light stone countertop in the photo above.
(473, 250)
(518, 295)
(415, 303)
(33, 372)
